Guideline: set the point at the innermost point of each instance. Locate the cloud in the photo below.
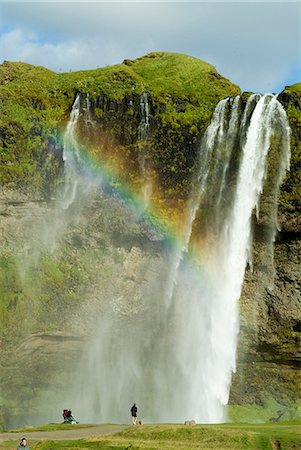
(63, 56)
(256, 45)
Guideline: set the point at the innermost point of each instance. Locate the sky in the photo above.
(257, 45)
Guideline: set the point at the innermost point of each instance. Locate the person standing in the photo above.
(23, 445)
(134, 411)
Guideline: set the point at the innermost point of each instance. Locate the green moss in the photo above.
(294, 88)
(290, 200)
(173, 76)
(36, 102)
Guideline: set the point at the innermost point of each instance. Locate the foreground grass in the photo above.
(285, 436)
(51, 427)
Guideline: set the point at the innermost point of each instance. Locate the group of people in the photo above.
(68, 418)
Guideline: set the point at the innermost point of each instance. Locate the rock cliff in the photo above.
(59, 267)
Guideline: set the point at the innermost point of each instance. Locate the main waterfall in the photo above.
(175, 354)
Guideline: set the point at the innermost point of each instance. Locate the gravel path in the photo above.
(73, 434)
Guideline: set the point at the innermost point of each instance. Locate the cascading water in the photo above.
(213, 134)
(78, 184)
(175, 352)
(77, 187)
(71, 156)
(231, 242)
(143, 145)
(46, 232)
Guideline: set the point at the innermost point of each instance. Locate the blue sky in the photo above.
(255, 44)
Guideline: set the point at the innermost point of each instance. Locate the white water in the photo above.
(71, 156)
(219, 312)
(78, 183)
(213, 139)
(143, 145)
(47, 230)
(173, 351)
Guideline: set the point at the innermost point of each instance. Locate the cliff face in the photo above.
(289, 202)
(58, 268)
(36, 105)
(269, 345)
(52, 297)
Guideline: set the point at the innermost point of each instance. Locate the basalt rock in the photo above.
(56, 280)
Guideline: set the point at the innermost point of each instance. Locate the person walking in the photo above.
(23, 445)
(134, 411)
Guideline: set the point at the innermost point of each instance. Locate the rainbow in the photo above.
(165, 220)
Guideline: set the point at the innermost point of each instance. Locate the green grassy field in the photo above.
(280, 436)
(51, 427)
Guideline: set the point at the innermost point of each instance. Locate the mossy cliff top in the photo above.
(161, 74)
(290, 200)
(167, 77)
(183, 92)
(36, 103)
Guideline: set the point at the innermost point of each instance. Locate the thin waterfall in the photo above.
(230, 142)
(87, 112)
(212, 139)
(77, 189)
(78, 182)
(143, 146)
(71, 156)
(174, 354)
(48, 229)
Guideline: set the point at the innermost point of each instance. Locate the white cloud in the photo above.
(255, 45)
(63, 56)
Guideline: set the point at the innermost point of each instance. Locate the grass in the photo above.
(253, 413)
(291, 189)
(170, 76)
(268, 436)
(51, 427)
(294, 88)
(35, 105)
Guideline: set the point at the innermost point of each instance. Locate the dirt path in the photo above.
(73, 434)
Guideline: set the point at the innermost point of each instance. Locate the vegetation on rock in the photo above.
(290, 200)
(36, 102)
(171, 437)
(51, 295)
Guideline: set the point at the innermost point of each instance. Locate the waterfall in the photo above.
(215, 290)
(48, 229)
(78, 185)
(214, 137)
(143, 146)
(71, 156)
(78, 182)
(174, 353)
(87, 111)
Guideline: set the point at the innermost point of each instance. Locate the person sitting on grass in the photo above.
(67, 415)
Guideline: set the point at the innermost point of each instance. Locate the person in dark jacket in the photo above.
(134, 411)
(23, 445)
